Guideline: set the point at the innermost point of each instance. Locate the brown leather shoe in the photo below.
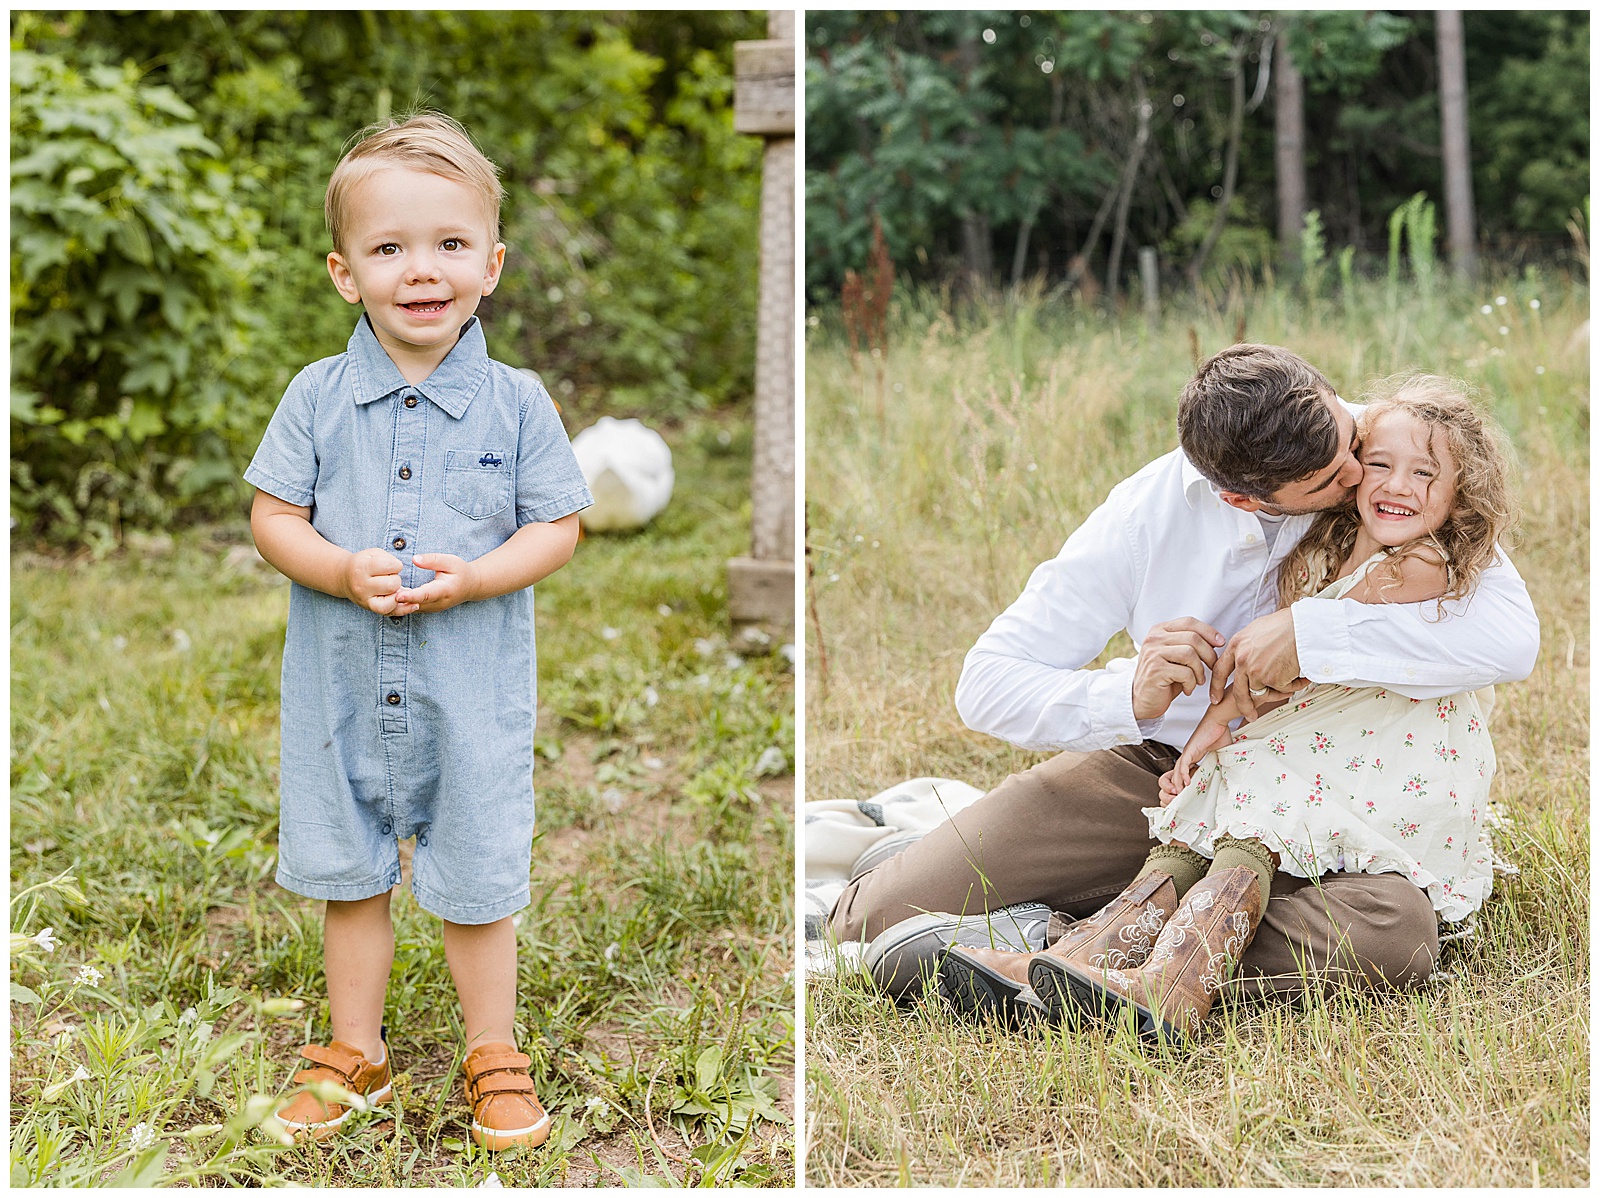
(505, 1110)
(1195, 954)
(982, 982)
(306, 1116)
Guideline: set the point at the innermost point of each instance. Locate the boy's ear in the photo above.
(343, 280)
(491, 271)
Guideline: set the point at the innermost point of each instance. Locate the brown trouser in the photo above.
(1070, 833)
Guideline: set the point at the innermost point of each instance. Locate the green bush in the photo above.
(131, 252)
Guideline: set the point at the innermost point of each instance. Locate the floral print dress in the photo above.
(1354, 779)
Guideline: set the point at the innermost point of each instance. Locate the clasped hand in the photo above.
(372, 582)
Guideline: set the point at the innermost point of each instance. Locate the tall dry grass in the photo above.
(930, 497)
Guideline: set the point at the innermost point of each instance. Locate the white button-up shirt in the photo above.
(1164, 545)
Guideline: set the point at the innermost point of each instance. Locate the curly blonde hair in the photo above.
(1482, 512)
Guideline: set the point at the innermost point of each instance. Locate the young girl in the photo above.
(1335, 778)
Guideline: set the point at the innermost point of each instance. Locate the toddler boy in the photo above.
(413, 490)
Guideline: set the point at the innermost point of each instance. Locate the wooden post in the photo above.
(761, 586)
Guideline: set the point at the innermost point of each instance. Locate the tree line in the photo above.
(998, 146)
(167, 234)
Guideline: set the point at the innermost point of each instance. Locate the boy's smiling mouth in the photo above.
(426, 307)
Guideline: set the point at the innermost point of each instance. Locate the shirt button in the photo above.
(395, 619)
(399, 542)
(423, 841)
(405, 472)
(411, 401)
(393, 698)
(388, 829)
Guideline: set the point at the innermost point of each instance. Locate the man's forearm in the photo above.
(1492, 637)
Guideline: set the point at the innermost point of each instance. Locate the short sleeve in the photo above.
(285, 464)
(550, 484)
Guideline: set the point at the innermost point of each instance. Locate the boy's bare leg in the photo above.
(357, 954)
(483, 964)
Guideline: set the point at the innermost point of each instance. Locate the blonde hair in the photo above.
(1482, 510)
(427, 141)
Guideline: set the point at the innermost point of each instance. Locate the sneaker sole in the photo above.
(495, 1139)
(906, 956)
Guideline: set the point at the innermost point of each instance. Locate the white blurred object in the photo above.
(628, 468)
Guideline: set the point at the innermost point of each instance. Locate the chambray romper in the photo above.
(423, 724)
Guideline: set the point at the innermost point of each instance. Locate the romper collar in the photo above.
(452, 384)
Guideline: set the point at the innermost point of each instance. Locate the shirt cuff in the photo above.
(1322, 640)
(1111, 706)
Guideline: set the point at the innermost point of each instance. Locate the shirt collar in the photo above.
(452, 384)
(1196, 486)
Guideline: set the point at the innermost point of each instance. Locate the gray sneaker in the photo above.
(905, 957)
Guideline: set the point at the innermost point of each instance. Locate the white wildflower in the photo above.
(190, 1015)
(787, 652)
(612, 950)
(63, 1037)
(833, 578)
(876, 545)
(55, 1089)
(859, 538)
(88, 975)
(594, 1103)
(141, 1137)
(119, 643)
(652, 763)
(731, 661)
(1486, 310)
(613, 799)
(702, 679)
(704, 646)
(1504, 330)
(1538, 370)
(181, 641)
(651, 696)
(1534, 304)
(772, 761)
(492, 1182)
(1500, 301)
(736, 690)
(664, 609)
(610, 634)
(45, 938)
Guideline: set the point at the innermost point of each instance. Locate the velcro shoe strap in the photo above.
(344, 1065)
(506, 1060)
(503, 1083)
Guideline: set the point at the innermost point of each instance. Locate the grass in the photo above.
(655, 962)
(939, 473)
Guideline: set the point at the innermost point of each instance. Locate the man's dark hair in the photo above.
(1254, 418)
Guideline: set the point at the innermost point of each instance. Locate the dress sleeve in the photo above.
(549, 483)
(285, 464)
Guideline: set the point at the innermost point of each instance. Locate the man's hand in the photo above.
(454, 582)
(372, 581)
(1264, 662)
(1173, 657)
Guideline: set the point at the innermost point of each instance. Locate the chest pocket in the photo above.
(477, 482)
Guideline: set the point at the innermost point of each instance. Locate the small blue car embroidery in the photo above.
(489, 459)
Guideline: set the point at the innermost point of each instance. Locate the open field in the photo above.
(656, 984)
(938, 475)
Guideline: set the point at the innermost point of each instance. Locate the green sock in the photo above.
(1183, 864)
(1232, 851)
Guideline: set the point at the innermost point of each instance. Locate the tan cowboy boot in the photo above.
(982, 982)
(1195, 954)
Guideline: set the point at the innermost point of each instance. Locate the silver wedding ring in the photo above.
(1256, 694)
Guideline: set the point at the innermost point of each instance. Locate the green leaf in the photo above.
(22, 994)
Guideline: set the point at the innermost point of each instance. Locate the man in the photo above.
(1183, 556)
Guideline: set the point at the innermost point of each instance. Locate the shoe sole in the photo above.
(317, 1132)
(496, 1139)
(977, 992)
(1061, 989)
